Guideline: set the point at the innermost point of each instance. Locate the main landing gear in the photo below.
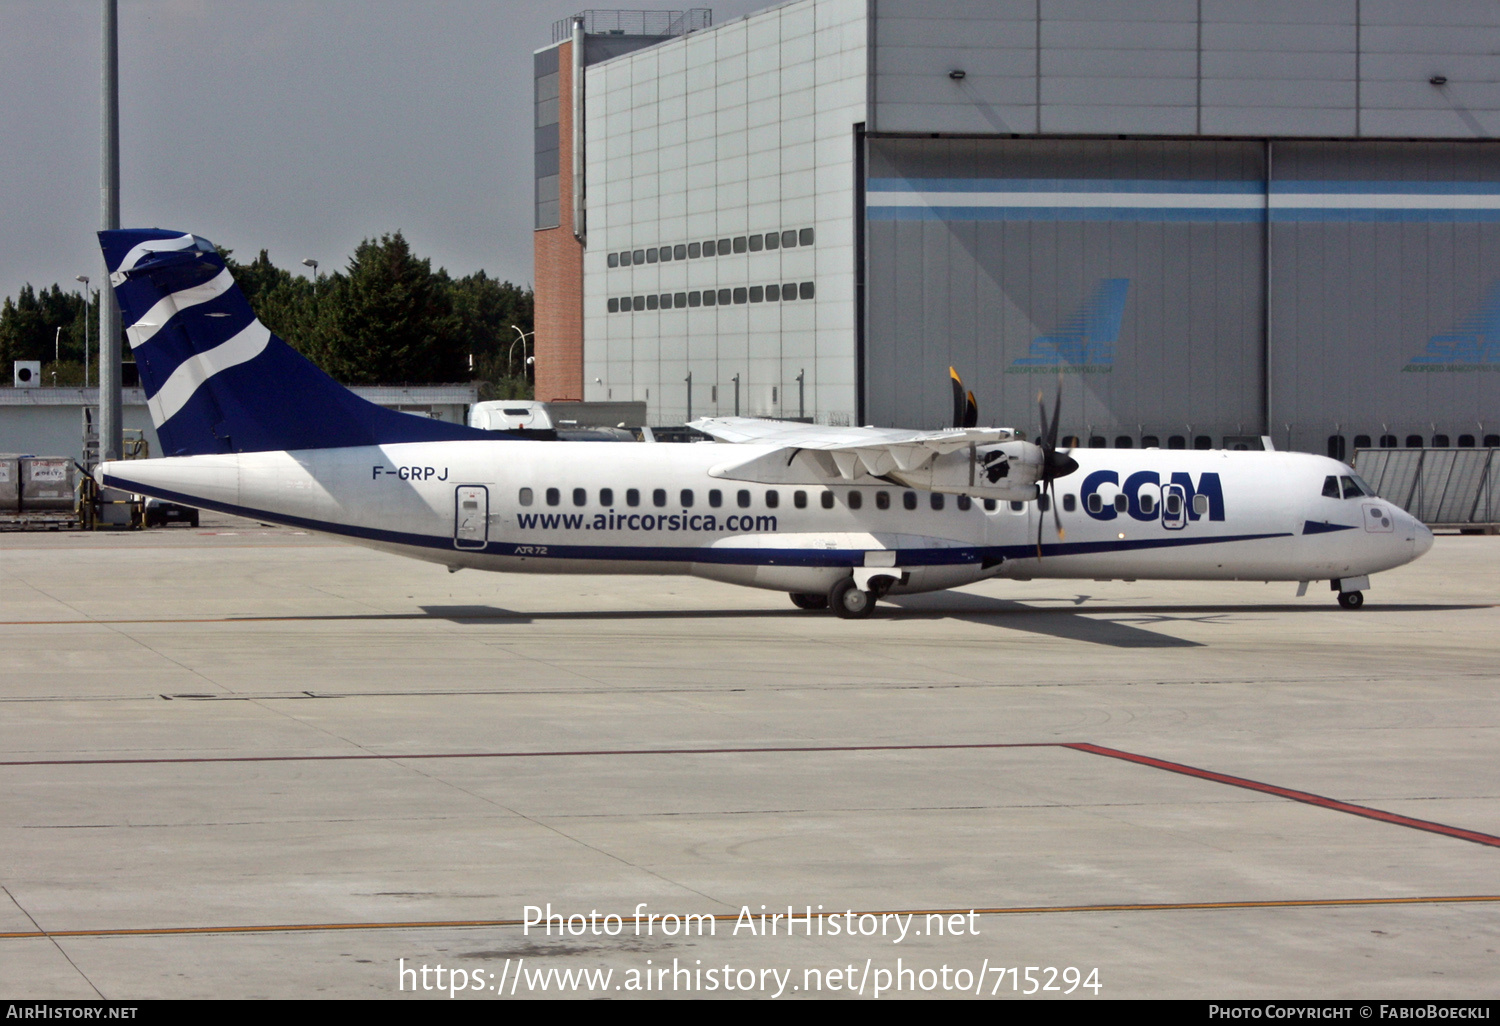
(807, 600)
(849, 601)
(1351, 599)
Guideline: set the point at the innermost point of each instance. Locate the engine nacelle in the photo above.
(1008, 471)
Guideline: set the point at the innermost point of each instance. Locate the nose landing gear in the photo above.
(1351, 599)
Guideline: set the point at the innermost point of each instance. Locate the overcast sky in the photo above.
(297, 126)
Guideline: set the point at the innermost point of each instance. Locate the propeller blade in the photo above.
(958, 397)
(971, 412)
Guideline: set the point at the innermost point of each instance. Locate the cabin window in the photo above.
(679, 300)
(757, 294)
(638, 257)
(773, 239)
(964, 503)
(715, 498)
(1174, 504)
(805, 290)
(882, 499)
(723, 297)
(580, 497)
(679, 252)
(799, 499)
(1200, 505)
(614, 260)
(739, 243)
(723, 247)
(788, 238)
(741, 295)
(1121, 504)
(742, 498)
(773, 293)
(554, 497)
(827, 500)
(625, 259)
(805, 237)
(1070, 502)
(695, 300)
(1148, 504)
(632, 496)
(935, 501)
(909, 500)
(789, 292)
(652, 302)
(1096, 504)
(525, 497)
(687, 498)
(773, 498)
(856, 500)
(709, 296)
(606, 496)
(756, 242)
(658, 497)
(695, 250)
(613, 306)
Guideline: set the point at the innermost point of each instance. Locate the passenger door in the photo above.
(471, 516)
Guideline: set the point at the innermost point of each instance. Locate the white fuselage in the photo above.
(601, 507)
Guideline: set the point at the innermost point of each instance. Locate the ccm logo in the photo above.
(1101, 508)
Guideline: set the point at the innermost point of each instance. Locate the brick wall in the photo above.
(559, 268)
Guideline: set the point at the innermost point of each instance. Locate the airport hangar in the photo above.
(1210, 220)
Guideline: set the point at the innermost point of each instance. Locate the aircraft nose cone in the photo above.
(1422, 539)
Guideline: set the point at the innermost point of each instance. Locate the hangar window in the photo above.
(1096, 442)
(882, 499)
(638, 257)
(805, 290)
(964, 503)
(1414, 441)
(1150, 442)
(773, 293)
(606, 496)
(1071, 442)
(1466, 441)
(935, 501)
(695, 250)
(580, 497)
(1121, 504)
(755, 243)
(687, 498)
(525, 497)
(614, 306)
(658, 497)
(788, 238)
(1336, 447)
(1176, 442)
(715, 498)
(773, 240)
(723, 297)
(632, 496)
(990, 505)
(1440, 441)
(757, 294)
(1361, 441)
(789, 292)
(1202, 442)
(1070, 502)
(695, 299)
(679, 300)
(1015, 505)
(679, 252)
(827, 500)
(1491, 441)
(1330, 487)
(614, 260)
(805, 237)
(740, 295)
(1096, 504)
(799, 499)
(909, 500)
(1123, 441)
(856, 500)
(742, 497)
(1200, 505)
(1388, 441)
(554, 497)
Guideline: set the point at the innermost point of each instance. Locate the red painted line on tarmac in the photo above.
(1305, 797)
(577, 753)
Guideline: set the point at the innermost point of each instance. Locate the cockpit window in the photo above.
(1330, 487)
(1364, 486)
(1351, 490)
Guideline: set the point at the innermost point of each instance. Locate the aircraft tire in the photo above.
(849, 601)
(1351, 599)
(807, 600)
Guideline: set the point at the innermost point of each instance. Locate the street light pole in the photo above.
(310, 262)
(85, 279)
(521, 337)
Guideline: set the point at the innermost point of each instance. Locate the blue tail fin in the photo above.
(217, 380)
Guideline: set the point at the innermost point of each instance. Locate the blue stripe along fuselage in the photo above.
(913, 557)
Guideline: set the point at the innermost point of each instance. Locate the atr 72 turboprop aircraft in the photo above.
(835, 516)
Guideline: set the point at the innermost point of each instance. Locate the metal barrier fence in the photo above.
(1440, 487)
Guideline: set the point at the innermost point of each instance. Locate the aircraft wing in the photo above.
(854, 450)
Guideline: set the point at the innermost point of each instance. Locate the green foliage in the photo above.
(389, 318)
